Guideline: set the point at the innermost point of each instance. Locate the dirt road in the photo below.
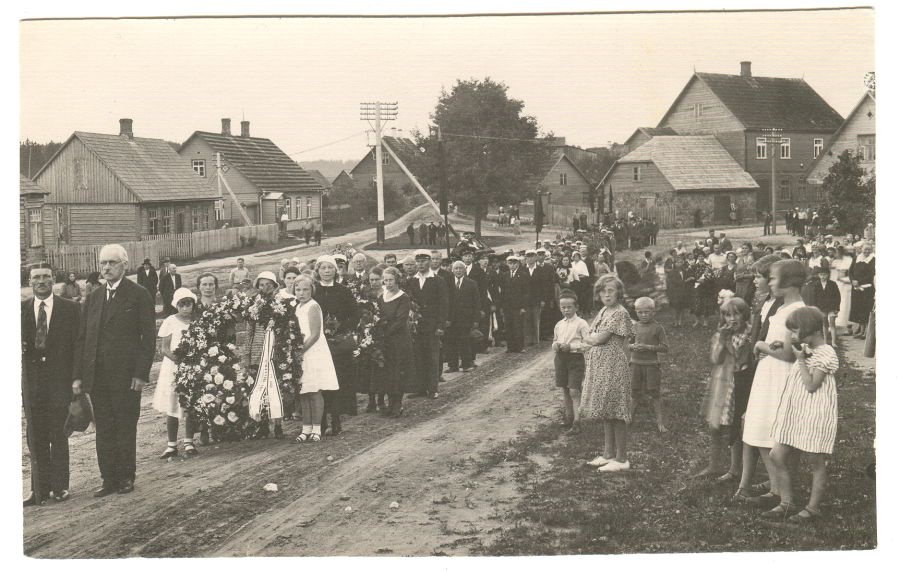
(430, 462)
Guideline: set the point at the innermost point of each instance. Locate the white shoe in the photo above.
(598, 461)
(614, 466)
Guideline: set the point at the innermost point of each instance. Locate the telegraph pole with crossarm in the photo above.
(378, 112)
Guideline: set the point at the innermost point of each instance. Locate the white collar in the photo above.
(429, 274)
(862, 259)
(113, 286)
(386, 297)
(48, 302)
(328, 284)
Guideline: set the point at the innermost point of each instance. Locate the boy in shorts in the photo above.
(568, 361)
(649, 339)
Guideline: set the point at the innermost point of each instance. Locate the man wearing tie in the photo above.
(538, 295)
(429, 292)
(465, 307)
(113, 354)
(168, 284)
(50, 326)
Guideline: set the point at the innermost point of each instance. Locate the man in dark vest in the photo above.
(113, 353)
(50, 325)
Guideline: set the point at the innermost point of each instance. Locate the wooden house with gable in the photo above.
(857, 134)
(737, 109)
(32, 235)
(264, 179)
(362, 176)
(117, 188)
(684, 173)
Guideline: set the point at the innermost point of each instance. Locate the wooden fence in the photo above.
(82, 259)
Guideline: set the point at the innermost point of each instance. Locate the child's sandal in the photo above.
(780, 511)
(303, 438)
(191, 450)
(760, 488)
(170, 452)
(806, 515)
(315, 438)
(740, 497)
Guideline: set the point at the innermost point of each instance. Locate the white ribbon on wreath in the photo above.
(266, 393)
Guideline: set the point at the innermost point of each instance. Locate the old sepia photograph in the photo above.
(447, 284)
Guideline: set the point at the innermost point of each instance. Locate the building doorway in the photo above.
(721, 209)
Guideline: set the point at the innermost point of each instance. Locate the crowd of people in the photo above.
(429, 233)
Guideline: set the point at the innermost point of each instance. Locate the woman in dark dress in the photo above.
(862, 297)
(705, 293)
(368, 371)
(341, 318)
(398, 375)
(678, 290)
(725, 277)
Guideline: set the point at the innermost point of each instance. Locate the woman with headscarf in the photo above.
(862, 297)
(341, 317)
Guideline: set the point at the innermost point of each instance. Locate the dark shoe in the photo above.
(61, 496)
(806, 515)
(764, 501)
(32, 500)
(127, 486)
(371, 408)
(262, 432)
(468, 368)
(190, 449)
(105, 490)
(780, 512)
(170, 452)
(279, 434)
(204, 437)
(451, 370)
(336, 425)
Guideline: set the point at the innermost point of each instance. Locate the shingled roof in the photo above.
(692, 163)
(759, 102)
(149, 168)
(262, 162)
(317, 175)
(28, 187)
(403, 147)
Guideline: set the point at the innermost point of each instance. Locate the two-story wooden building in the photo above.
(857, 134)
(32, 237)
(738, 109)
(116, 188)
(264, 179)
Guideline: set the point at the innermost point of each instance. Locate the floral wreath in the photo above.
(211, 382)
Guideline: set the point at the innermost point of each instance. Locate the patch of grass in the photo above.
(656, 507)
(402, 242)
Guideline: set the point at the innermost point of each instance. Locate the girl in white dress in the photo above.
(786, 277)
(318, 368)
(165, 399)
(840, 269)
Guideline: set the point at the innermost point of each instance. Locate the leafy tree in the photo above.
(850, 194)
(33, 155)
(492, 153)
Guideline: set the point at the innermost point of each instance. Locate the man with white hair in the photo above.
(358, 274)
(113, 354)
(465, 305)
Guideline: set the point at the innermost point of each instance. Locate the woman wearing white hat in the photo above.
(165, 399)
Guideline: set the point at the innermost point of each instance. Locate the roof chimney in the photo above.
(245, 129)
(226, 126)
(125, 128)
(745, 70)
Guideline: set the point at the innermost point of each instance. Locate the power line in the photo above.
(492, 137)
(327, 144)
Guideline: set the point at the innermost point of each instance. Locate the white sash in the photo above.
(266, 393)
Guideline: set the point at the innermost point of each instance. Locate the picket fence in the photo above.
(82, 259)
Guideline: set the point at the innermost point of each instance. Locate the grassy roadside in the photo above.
(566, 508)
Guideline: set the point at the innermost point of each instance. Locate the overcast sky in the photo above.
(592, 79)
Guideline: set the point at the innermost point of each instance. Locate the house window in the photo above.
(35, 227)
(309, 207)
(199, 166)
(385, 159)
(801, 191)
(785, 147)
(761, 147)
(153, 221)
(220, 209)
(199, 218)
(636, 173)
(165, 221)
(867, 147)
(698, 109)
(818, 145)
(784, 187)
(563, 180)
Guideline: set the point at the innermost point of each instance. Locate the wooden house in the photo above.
(737, 109)
(264, 179)
(321, 179)
(32, 235)
(363, 173)
(856, 134)
(644, 134)
(565, 182)
(117, 188)
(343, 180)
(684, 173)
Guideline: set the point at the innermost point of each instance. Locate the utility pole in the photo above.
(442, 175)
(378, 112)
(773, 137)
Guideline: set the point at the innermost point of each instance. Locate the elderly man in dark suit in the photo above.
(50, 326)
(113, 354)
(147, 278)
(168, 284)
(465, 311)
(429, 292)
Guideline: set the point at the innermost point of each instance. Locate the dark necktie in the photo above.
(40, 337)
(110, 294)
(459, 284)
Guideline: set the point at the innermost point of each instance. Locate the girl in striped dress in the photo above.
(807, 416)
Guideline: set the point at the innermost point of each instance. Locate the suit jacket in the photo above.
(827, 299)
(446, 275)
(124, 336)
(481, 281)
(165, 285)
(517, 291)
(541, 280)
(465, 303)
(148, 279)
(58, 355)
(433, 301)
